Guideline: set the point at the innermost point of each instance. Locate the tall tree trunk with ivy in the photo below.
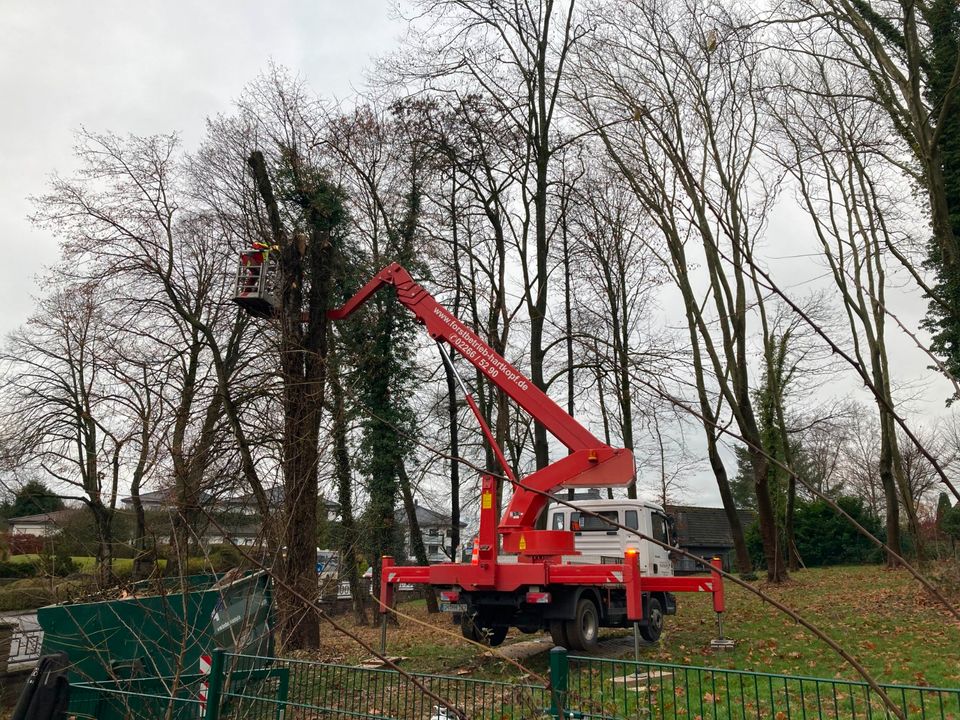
(384, 359)
(347, 536)
(306, 263)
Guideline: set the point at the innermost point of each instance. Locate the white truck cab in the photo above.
(600, 542)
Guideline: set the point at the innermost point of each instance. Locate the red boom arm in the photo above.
(590, 463)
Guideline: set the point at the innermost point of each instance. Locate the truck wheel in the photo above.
(495, 636)
(558, 632)
(491, 636)
(652, 629)
(469, 629)
(583, 631)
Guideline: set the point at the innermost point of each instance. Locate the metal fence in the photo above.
(181, 698)
(258, 688)
(344, 691)
(25, 645)
(247, 686)
(626, 689)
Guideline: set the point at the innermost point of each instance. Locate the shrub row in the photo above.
(45, 565)
(26, 594)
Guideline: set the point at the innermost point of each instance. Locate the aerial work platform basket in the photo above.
(255, 289)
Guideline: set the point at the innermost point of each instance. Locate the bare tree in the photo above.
(516, 54)
(835, 153)
(140, 381)
(165, 254)
(677, 114)
(60, 409)
(907, 57)
(615, 279)
(668, 457)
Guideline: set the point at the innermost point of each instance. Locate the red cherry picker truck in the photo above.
(521, 576)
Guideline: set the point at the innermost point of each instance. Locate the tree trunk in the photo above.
(743, 561)
(793, 556)
(102, 520)
(567, 318)
(742, 554)
(179, 543)
(413, 527)
(538, 311)
(305, 283)
(625, 394)
(450, 372)
(452, 416)
(772, 552)
(905, 496)
(142, 562)
(348, 537)
(890, 497)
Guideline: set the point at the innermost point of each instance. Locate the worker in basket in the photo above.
(253, 263)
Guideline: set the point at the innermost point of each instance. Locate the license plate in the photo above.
(453, 607)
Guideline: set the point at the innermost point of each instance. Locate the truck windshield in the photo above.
(588, 523)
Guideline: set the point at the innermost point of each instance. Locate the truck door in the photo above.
(660, 563)
(631, 518)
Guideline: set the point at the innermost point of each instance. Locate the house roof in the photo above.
(705, 526)
(53, 518)
(163, 497)
(166, 497)
(275, 495)
(427, 517)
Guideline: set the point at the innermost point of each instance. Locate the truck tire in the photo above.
(558, 632)
(495, 636)
(584, 630)
(653, 627)
(469, 629)
(491, 636)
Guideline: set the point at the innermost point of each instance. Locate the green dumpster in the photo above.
(162, 631)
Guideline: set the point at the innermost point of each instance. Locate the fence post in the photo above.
(216, 685)
(559, 679)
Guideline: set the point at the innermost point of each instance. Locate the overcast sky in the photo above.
(145, 68)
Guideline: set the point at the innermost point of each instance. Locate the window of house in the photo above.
(630, 519)
(432, 532)
(433, 549)
(558, 521)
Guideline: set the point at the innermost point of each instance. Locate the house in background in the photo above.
(42, 524)
(162, 500)
(704, 532)
(237, 515)
(241, 534)
(247, 503)
(435, 530)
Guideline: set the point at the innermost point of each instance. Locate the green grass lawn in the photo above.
(883, 618)
(87, 563)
